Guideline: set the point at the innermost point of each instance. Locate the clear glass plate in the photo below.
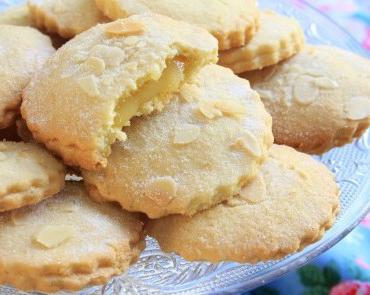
(159, 273)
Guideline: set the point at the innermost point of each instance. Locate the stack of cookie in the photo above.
(132, 129)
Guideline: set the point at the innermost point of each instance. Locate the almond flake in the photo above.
(162, 190)
(230, 108)
(325, 83)
(96, 65)
(248, 143)
(89, 85)
(52, 236)
(124, 28)
(254, 192)
(304, 91)
(207, 108)
(357, 108)
(186, 134)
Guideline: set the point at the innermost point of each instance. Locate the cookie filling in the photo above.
(151, 96)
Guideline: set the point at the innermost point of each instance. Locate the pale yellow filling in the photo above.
(170, 81)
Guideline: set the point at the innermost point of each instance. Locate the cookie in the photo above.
(67, 18)
(288, 206)
(232, 22)
(318, 99)
(94, 84)
(208, 142)
(67, 243)
(17, 15)
(278, 38)
(28, 174)
(23, 51)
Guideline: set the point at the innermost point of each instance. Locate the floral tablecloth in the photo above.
(344, 269)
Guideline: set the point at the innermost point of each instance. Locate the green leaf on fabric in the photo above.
(331, 274)
(318, 290)
(311, 276)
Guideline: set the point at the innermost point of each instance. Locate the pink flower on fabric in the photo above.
(366, 221)
(351, 288)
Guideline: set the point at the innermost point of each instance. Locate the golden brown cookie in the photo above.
(65, 17)
(290, 205)
(92, 87)
(23, 51)
(67, 242)
(28, 174)
(232, 22)
(17, 15)
(278, 38)
(208, 142)
(318, 99)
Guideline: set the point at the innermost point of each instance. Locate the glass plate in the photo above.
(159, 273)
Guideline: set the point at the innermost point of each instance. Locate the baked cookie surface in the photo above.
(318, 99)
(278, 38)
(23, 51)
(17, 15)
(28, 174)
(287, 206)
(65, 17)
(232, 22)
(67, 243)
(92, 87)
(204, 145)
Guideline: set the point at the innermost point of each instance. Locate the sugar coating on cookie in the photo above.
(67, 243)
(92, 87)
(232, 22)
(23, 51)
(208, 142)
(65, 17)
(28, 174)
(318, 99)
(278, 38)
(288, 206)
(17, 15)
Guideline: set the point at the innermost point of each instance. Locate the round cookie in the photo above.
(23, 51)
(278, 38)
(17, 15)
(232, 22)
(318, 99)
(94, 84)
(208, 142)
(28, 174)
(67, 18)
(288, 206)
(67, 242)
